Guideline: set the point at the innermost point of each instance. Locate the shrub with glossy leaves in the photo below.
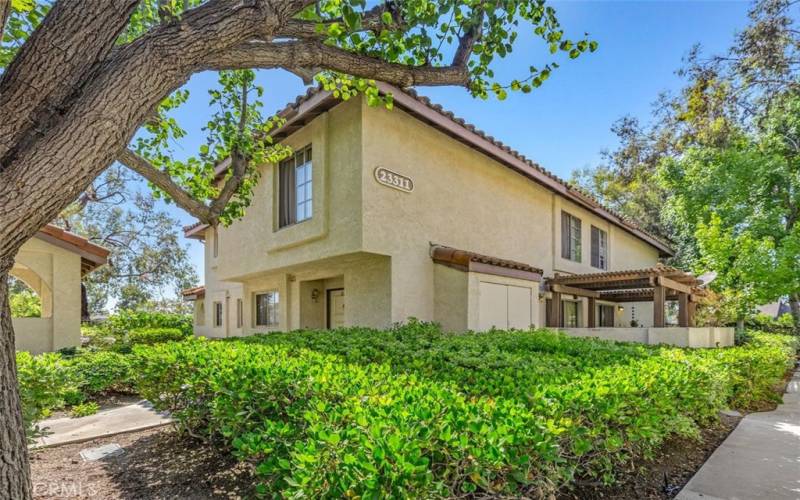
(155, 335)
(376, 413)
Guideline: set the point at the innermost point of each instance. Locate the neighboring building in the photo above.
(775, 309)
(52, 264)
(382, 215)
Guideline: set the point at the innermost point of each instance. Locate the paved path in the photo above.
(132, 417)
(760, 459)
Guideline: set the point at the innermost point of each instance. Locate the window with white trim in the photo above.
(295, 188)
(570, 237)
(599, 248)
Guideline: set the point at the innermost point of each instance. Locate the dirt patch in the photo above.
(156, 463)
(665, 476)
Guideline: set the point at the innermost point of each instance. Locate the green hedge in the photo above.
(413, 411)
(125, 321)
(155, 335)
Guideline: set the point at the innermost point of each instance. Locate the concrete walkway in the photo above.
(128, 418)
(760, 459)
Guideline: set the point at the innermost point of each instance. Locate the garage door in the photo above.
(503, 306)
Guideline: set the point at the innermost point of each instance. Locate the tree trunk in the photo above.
(740, 325)
(794, 305)
(15, 476)
(85, 317)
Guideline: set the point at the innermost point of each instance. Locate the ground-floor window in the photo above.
(217, 314)
(239, 316)
(606, 315)
(570, 311)
(266, 305)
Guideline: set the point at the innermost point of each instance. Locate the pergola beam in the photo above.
(571, 290)
(672, 284)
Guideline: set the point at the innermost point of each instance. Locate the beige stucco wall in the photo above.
(255, 244)
(461, 199)
(364, 277)
(54, 273)
(451, 298)
(465, 200)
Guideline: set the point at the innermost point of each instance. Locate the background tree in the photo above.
(90, 73)
(743, 199)
(25, 303)
(147, 259)
(723, 96)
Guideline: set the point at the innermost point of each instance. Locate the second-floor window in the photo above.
(295, 188)
(570, 237)
(599, 248)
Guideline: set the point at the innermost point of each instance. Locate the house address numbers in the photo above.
(393, 179)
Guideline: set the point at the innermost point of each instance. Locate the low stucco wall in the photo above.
(618, 334)
(677, 336)
(34, 335)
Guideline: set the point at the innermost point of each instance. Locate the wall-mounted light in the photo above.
(315, 295)
(620, 308)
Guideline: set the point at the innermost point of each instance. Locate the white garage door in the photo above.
(503, 306)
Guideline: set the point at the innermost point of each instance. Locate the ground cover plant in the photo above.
(52, 381)
(414, 411)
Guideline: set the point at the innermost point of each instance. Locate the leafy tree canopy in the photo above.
(147, 260)
(743, 201)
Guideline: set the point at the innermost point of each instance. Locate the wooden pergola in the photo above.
(657, 284)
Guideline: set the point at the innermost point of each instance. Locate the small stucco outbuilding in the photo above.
(52, 264)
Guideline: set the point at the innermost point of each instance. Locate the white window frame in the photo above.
(304, 190)
(602, 248)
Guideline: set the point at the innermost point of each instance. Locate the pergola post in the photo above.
(683, 310)
(691, 307)
(592, 316)
(555, 310)
(659, 300)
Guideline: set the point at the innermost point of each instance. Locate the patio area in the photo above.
(657, 285)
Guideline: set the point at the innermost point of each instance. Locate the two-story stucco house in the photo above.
(382, 215)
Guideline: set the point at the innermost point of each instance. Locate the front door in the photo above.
(336, 308)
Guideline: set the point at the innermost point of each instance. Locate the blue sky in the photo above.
(565, 124)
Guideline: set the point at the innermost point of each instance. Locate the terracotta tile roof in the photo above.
(195, 230)
(462, 258)
(198, 291)
(92, 255)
